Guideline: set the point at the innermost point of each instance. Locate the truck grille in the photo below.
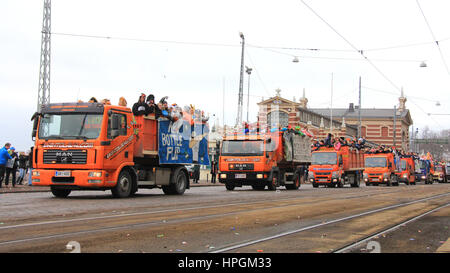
(65, 157)
(325, 173)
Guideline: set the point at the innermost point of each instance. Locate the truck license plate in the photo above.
(240, 175)
(322, 180)
(63, 173)
(376, 179)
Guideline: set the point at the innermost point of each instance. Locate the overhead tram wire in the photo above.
(434, 38)
(257, 73)
(353, 46)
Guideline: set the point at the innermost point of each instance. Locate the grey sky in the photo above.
(203, 58)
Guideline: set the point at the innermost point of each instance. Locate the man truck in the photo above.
(332, 167)
(92, 146)
(269, 159)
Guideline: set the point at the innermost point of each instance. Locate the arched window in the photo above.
(278, 118)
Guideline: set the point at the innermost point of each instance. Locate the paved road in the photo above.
(207, 219)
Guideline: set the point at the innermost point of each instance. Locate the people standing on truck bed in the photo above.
(151, 104)
(4, 156)
(141, 108)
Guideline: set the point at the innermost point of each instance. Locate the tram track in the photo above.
(46, 231)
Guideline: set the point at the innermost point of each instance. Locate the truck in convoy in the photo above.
(270, 159)
(332, 167)
(425, 171)
(91, 146)
(440, 173)
(380, 168)
(407, 171)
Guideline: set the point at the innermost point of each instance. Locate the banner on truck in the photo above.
(183, 143)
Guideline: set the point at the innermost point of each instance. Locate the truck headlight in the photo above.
(259, 176)
(405, 175)
(36, 173)
(95, 174)
(223, 175)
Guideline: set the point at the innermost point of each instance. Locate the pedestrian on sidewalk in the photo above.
(213, 171)
(30, 165)
(22, 167)
(4, 156)
(11, 167)
(196, 173)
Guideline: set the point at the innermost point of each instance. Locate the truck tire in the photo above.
(315, 185)
(229, 185)
(357, 181)
(297, 183)
(60, 193)
(178, 183)
(124, 185)
(272, 186)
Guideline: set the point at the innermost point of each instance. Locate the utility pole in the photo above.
(331, 106)
(44, 69)
(241, 84)
(359, 111)
(395, 124)
(248, 70)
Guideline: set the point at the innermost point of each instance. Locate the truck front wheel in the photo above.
(60, 193)
(123, 186)
(229, 185)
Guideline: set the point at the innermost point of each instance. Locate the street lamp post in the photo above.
(248, 70)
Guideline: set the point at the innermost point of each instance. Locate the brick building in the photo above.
(377, 125)
(280, 112)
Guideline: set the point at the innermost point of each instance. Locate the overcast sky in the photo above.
(190, 51)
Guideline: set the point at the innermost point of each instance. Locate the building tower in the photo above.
(44, 69)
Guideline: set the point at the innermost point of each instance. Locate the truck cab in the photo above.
(440, 174)
(424, 172)
(379, 169)
(407, 171)
(331, 167)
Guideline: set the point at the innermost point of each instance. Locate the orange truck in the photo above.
(91, 146)
(332, 167)
(259, 160)
(440, 174)
(380, 169)
(407, 171)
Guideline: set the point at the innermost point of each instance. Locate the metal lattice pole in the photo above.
(44, 69)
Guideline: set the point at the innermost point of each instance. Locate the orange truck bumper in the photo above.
(80, 178)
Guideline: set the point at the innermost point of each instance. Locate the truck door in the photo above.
(117, 148)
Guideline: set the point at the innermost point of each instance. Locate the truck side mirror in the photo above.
(390, 164)
(341, 162)
(34, 132)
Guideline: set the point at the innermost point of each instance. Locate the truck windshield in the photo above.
(404, 165)
(70, 126)
(324, 159)
(423, 164)
(373, 162)
(243, 148)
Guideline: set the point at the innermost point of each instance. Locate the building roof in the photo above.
(365, 113)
